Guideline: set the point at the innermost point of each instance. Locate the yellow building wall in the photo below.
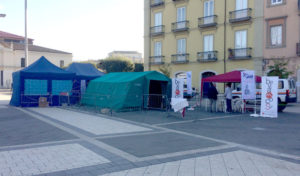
(194, 38)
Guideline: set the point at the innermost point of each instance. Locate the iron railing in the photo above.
(157, 30)
(180, 58)
(180, 26)
(240, 53)
(157, 60)
(155, 3)
(208, 21)
(208, 56)
(240, 15)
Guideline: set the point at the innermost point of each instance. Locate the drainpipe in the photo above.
(225, 19)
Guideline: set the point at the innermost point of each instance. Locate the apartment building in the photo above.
(206, 37)
(134, 56)
(12, 56)
(282, 33)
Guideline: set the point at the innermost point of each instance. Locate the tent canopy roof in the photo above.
(42, 68)
(234, 77)
(119, 77)
(84, 70)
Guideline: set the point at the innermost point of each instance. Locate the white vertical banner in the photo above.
(189, 82)
(82, 86)
(269, 97)
(248, 85)
(177, 88)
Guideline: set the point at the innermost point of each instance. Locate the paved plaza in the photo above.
(69, 141)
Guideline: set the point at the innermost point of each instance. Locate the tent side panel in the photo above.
(16, 95)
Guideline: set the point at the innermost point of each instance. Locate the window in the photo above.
(181, 17)
(23, 62)
(241, 43)
(240, 5)
(275, 2)
(157, 52)
(62, 63)
(181, 49)
(208, 43)
(208, 11)
(276, 35)
(158, 22)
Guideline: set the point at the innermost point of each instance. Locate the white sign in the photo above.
(248, 85)
(189, 82)
(82, 86)
(269, 97)
(177, 88)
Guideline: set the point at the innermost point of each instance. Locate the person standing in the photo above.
(213, 96)
(228, 96)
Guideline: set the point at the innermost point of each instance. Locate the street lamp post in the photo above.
(26, 39)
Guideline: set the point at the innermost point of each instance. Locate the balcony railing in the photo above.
(179, 0)
(180, 58)
(208, 56)
(208, 21)
(240, 15)
(157, 60)
(240, 53)
(298, 49)
(180, 26)
(157, 30)
(155, 3)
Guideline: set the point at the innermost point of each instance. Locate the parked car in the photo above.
(286, 92)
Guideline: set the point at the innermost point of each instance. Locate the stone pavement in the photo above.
(56, 141)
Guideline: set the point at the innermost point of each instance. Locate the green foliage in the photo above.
(116, 64)
(138, 67)
(166, 70)
(279, 69)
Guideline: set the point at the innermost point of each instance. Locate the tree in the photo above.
(279, 69)
(116, 64)
(138, 67)
(165, 69)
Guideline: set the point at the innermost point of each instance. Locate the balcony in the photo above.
(208, 21)
(180, 58)
(157, 60)
(179, 0)
(157, 30)
(156, 3)
(180, 26)
(208, 56)
(298, 49)
(240, 53)
(240, 15)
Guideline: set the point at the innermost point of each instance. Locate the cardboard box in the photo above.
(43, 102)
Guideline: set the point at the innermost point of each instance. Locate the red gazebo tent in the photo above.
(232, 77)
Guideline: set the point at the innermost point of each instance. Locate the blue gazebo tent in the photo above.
(40, 79)
(84, 73)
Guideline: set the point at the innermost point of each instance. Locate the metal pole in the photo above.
(26, 39)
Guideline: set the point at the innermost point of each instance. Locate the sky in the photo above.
(89, 29)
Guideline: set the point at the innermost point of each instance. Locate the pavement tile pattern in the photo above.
(237, 163)
(56, 142)
(47, 159)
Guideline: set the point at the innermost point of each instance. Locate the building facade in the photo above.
(206, 37)
(12, 56)
(282, 33)
(134, 56)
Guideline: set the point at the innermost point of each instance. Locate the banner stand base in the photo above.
(254, 115)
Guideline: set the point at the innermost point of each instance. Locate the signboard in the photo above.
(189, 82)
(269, 97)
(177, 88)
(248, 85)
(82, 86)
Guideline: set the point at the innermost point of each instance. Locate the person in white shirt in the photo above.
(228, 96)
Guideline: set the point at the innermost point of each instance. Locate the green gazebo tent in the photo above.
(128, 90)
